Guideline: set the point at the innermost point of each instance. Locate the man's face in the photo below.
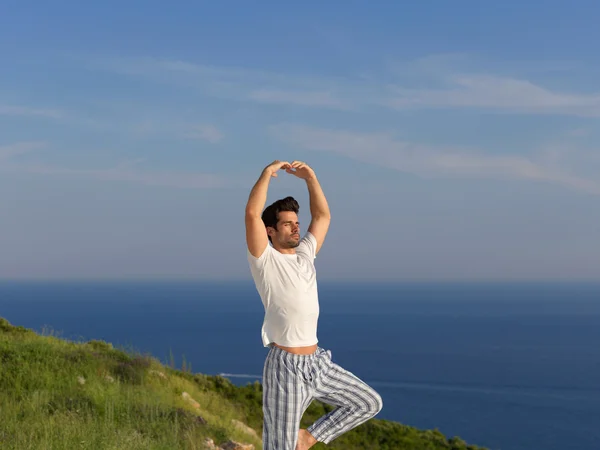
(287, 234)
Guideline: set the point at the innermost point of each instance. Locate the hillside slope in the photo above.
(60, 394)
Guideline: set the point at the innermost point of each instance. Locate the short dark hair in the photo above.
(270, 215)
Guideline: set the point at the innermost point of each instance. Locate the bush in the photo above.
(6, 327)
(132, 371)
(100, 345)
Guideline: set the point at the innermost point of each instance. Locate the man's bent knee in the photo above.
(376, 405)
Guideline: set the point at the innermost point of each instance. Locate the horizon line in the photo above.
(353, 281)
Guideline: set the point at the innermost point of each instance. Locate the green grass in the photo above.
(60, 394)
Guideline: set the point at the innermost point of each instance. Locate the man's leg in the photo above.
(357, 402)
(284, 401)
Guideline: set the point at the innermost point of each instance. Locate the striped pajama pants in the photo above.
(291, 382)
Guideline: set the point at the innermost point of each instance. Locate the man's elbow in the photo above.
(252, 213)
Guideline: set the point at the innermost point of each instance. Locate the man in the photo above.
(296, 369)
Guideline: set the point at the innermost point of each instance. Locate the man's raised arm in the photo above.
(319, 209)
(256, 234)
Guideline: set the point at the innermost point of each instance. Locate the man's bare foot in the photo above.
(305, 440)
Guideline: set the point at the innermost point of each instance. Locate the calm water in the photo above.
(510, 367)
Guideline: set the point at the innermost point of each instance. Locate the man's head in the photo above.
(281, 220)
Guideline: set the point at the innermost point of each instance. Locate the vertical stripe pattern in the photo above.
(291, 382)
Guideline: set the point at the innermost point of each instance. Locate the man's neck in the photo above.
(286, 251)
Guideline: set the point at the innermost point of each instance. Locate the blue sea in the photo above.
(506, 366)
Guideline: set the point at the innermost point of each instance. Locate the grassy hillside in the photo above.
(59, 394)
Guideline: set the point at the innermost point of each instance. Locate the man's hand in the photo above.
(301, 170)
(276, 165)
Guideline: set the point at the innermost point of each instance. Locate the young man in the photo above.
(296, 369)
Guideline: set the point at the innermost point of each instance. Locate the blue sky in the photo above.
(454, 140)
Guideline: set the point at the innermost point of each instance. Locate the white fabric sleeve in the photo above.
(258, 262)
(308, 245)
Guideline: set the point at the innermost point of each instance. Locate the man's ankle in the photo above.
(310, 437)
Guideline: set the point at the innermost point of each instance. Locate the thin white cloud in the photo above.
(300, 98)
(9, 151)
(204, 132)
(384, 150)
(11, 110)
(171, 128)
(123, 173)
(441, 85)
(236, 83)
(579, 132)
(167, 70)
(496, 93)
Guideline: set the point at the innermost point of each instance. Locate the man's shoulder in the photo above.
(308, 245)
(260, 259)
(271, 259)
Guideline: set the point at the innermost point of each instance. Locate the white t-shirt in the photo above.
(287, 285)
